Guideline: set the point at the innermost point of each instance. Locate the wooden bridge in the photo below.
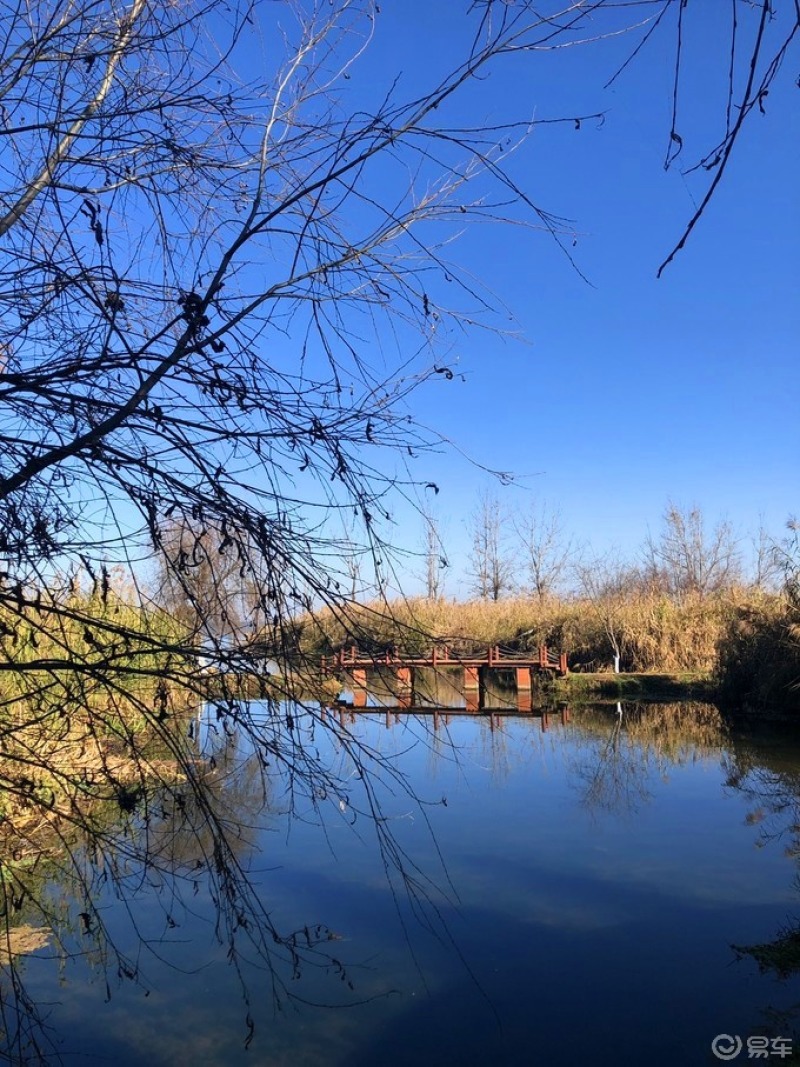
(524, 664)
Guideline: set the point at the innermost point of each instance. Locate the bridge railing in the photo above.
(442, 655)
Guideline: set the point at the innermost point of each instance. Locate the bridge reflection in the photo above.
(442, 716)
(502, 689)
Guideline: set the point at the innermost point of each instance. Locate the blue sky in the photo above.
(605, 391)
(630, 390)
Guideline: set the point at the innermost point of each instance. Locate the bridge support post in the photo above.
(405, 687)
(359, 688)
(523, 678)
(524, 685)
(472, 688)
(562, 663)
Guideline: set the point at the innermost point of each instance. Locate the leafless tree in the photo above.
(435, 555)
(788, 552)
(491, 564)
(212, 286)
(752, 46)
(548, 552)
(766, 559)
(200, 583)
(607, 583)
(688, 558)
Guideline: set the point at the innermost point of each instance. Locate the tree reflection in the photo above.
(768, 776)
(86, 823)
(613, 774)
(764, 769)
(630, 744)
(173, 815)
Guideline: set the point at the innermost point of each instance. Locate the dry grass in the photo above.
(71, 648)
(86, 716)
(654, 632)
(759, 655)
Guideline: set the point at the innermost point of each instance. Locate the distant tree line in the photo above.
(530, 553)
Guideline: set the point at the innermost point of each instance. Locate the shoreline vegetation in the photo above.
(740, 647)
(637, 686)
(93, 721)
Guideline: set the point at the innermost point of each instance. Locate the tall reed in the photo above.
(653, 631)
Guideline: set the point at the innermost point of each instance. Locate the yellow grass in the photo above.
(654, 632)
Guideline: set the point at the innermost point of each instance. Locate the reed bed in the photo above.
(747, 639)
(653, 632)
(759, 655)
(88, 696)
(93, 651)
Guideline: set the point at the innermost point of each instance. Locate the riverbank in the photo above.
(740, 647)
(641, 686)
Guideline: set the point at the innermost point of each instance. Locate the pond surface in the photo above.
(573, 888)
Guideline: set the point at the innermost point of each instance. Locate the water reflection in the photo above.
(764, 770)
(639, 742)
(439, 687)
(612, 774)
(111, 863)
(435, 870)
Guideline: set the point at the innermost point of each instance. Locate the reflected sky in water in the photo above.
(573, 895)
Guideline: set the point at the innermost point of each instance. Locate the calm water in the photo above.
(498, 891)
